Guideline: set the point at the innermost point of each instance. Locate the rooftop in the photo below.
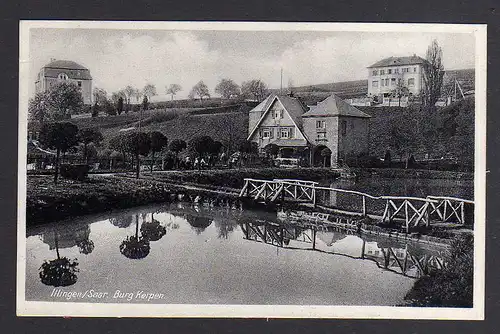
(65, 64)
(334, 106)
(399, 61)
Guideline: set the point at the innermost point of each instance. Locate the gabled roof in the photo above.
(334, 106)
(261, 107)
(399, 61)
(292, 105)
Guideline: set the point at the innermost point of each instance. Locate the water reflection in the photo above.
(135, 247)
(59, 272)
(399, 257)
(153, 230)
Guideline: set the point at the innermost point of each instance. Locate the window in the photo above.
(278, 113)
(320, 124)
(411, 82)
(382, 83)
(285, 133)
(393, 81)
(396, 70)
(266, 133)
(374, 84)
(343, 125)
(375, 72)
(62, 76)
(382, 72)
(389, 71)
(414, 70)
(80, 84)
(387, 82)
(321, 135)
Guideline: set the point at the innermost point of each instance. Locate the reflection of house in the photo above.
(388, 74)
(283, 120)
(66, 237)
(65, 70)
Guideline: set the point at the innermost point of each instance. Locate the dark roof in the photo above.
(398, 61)
(72, 69)
(294, 107)
(67, 64)
(334, 106)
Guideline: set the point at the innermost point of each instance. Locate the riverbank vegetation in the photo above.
(451, 286)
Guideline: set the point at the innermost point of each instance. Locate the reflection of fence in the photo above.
(412, 211)
(403, 261)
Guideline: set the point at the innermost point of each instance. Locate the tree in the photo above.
(129, 91)
(100, 96)
(119, 105)
(153, 231)
(158, 142)
(173, 89)
(201, 90)
(248, 148)
(87, 136)
(61, 137)
(137, 94)
(117, 99)
(149, 91)
(39, 108)
(119, 143)
(272, 149)
(227, 88)
(138, 143)
(200, 145)
(433, 76)
(326, 153)
(176, 146)
(58, 103)
(256, 89)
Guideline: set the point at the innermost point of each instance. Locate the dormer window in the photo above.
(62, 76)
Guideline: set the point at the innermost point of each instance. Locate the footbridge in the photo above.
(412, 212)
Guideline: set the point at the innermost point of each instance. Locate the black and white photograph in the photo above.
(223, 169)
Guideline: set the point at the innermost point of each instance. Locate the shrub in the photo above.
(75, 172)
(451, 286)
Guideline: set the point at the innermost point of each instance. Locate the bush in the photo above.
(451, 286)
(75, 172)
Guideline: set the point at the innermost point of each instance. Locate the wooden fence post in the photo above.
(364, 205)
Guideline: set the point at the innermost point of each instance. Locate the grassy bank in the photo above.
(234, 178)
(413, 173)
(47, 202)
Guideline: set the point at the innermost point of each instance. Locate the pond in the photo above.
(185, 253)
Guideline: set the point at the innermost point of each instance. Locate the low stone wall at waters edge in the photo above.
(47, 202)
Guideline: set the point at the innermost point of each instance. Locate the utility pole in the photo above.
(281, 82)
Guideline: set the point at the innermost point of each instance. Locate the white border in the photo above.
(30, 308)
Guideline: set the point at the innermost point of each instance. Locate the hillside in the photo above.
(357, 88)
(228, 127)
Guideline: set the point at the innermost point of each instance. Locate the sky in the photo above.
(117, 58)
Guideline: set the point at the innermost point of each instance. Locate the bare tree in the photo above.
(433, 75)
(129, 92)
(149, 91)
(173, 89)
(227, 88)
(201, 90)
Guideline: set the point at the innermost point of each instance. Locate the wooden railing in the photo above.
(412, 211)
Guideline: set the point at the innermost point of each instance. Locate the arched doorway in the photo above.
(322, 156)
